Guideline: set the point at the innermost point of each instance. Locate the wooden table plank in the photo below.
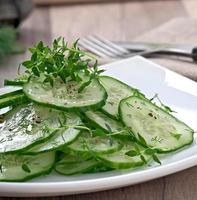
(181, 186)
(179, 30)
(117, 21)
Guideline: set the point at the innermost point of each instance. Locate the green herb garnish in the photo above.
(25, 168)
(176, 135)
(163, 106)
(61, 61)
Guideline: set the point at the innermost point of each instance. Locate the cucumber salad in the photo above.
(61, 114)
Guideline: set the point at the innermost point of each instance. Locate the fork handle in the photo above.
(194, 54)
(169, 52)
(173, 52)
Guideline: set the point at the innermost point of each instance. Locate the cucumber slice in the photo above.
(65, 95)
(26, 125)
(15, 82)
(11, 96)
(120, 159)
(14, 167)
(116, 91)
(159, 129)
(86, 143)
(104, 122)
(76, 168)
(3, 111)
(19, 81)
(13, 100)
(10, 91)
(73, 158)
(62, 137)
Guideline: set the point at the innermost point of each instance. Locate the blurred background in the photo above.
(25, 22)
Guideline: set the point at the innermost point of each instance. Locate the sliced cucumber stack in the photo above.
(116, 91)
(66, 96)
(62, 137)
(27, 125)
(160, 129)
(14, 167)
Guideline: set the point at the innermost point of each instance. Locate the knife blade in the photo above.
(185, 50)
(145, 46)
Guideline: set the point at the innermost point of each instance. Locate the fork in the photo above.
(110, 51)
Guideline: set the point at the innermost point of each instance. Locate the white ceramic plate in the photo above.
(175, 90)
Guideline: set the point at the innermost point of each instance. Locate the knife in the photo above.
(148, 49)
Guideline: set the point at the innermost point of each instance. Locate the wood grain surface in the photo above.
(161, 21)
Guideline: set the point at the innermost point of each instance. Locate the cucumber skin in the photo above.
(74, 109)
(19, 99)
(32, 176)
(79, 172)
(121, 166)
(14, 82)
(43, 173)
(148, 101)
(11, 94)
(127, 86)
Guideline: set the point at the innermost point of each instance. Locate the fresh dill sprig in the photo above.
(61, 61)
(163, 106)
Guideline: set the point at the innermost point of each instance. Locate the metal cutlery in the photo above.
(107, 49)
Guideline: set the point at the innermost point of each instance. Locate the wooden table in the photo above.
(134, 20)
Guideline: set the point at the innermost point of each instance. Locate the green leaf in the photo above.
(156, 159)
(132, 153)
(108, 128)
(176, 135)
(82, 87)
(28, 64)
(35, 71)
(150, 151)
(26, 168)
(142, 140)
(167, 109)
(40, 46)
(143, 158)
(98, 132)
(1, 168)
(34, 57)
(101, 71)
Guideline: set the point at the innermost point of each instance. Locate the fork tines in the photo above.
(102, 47)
